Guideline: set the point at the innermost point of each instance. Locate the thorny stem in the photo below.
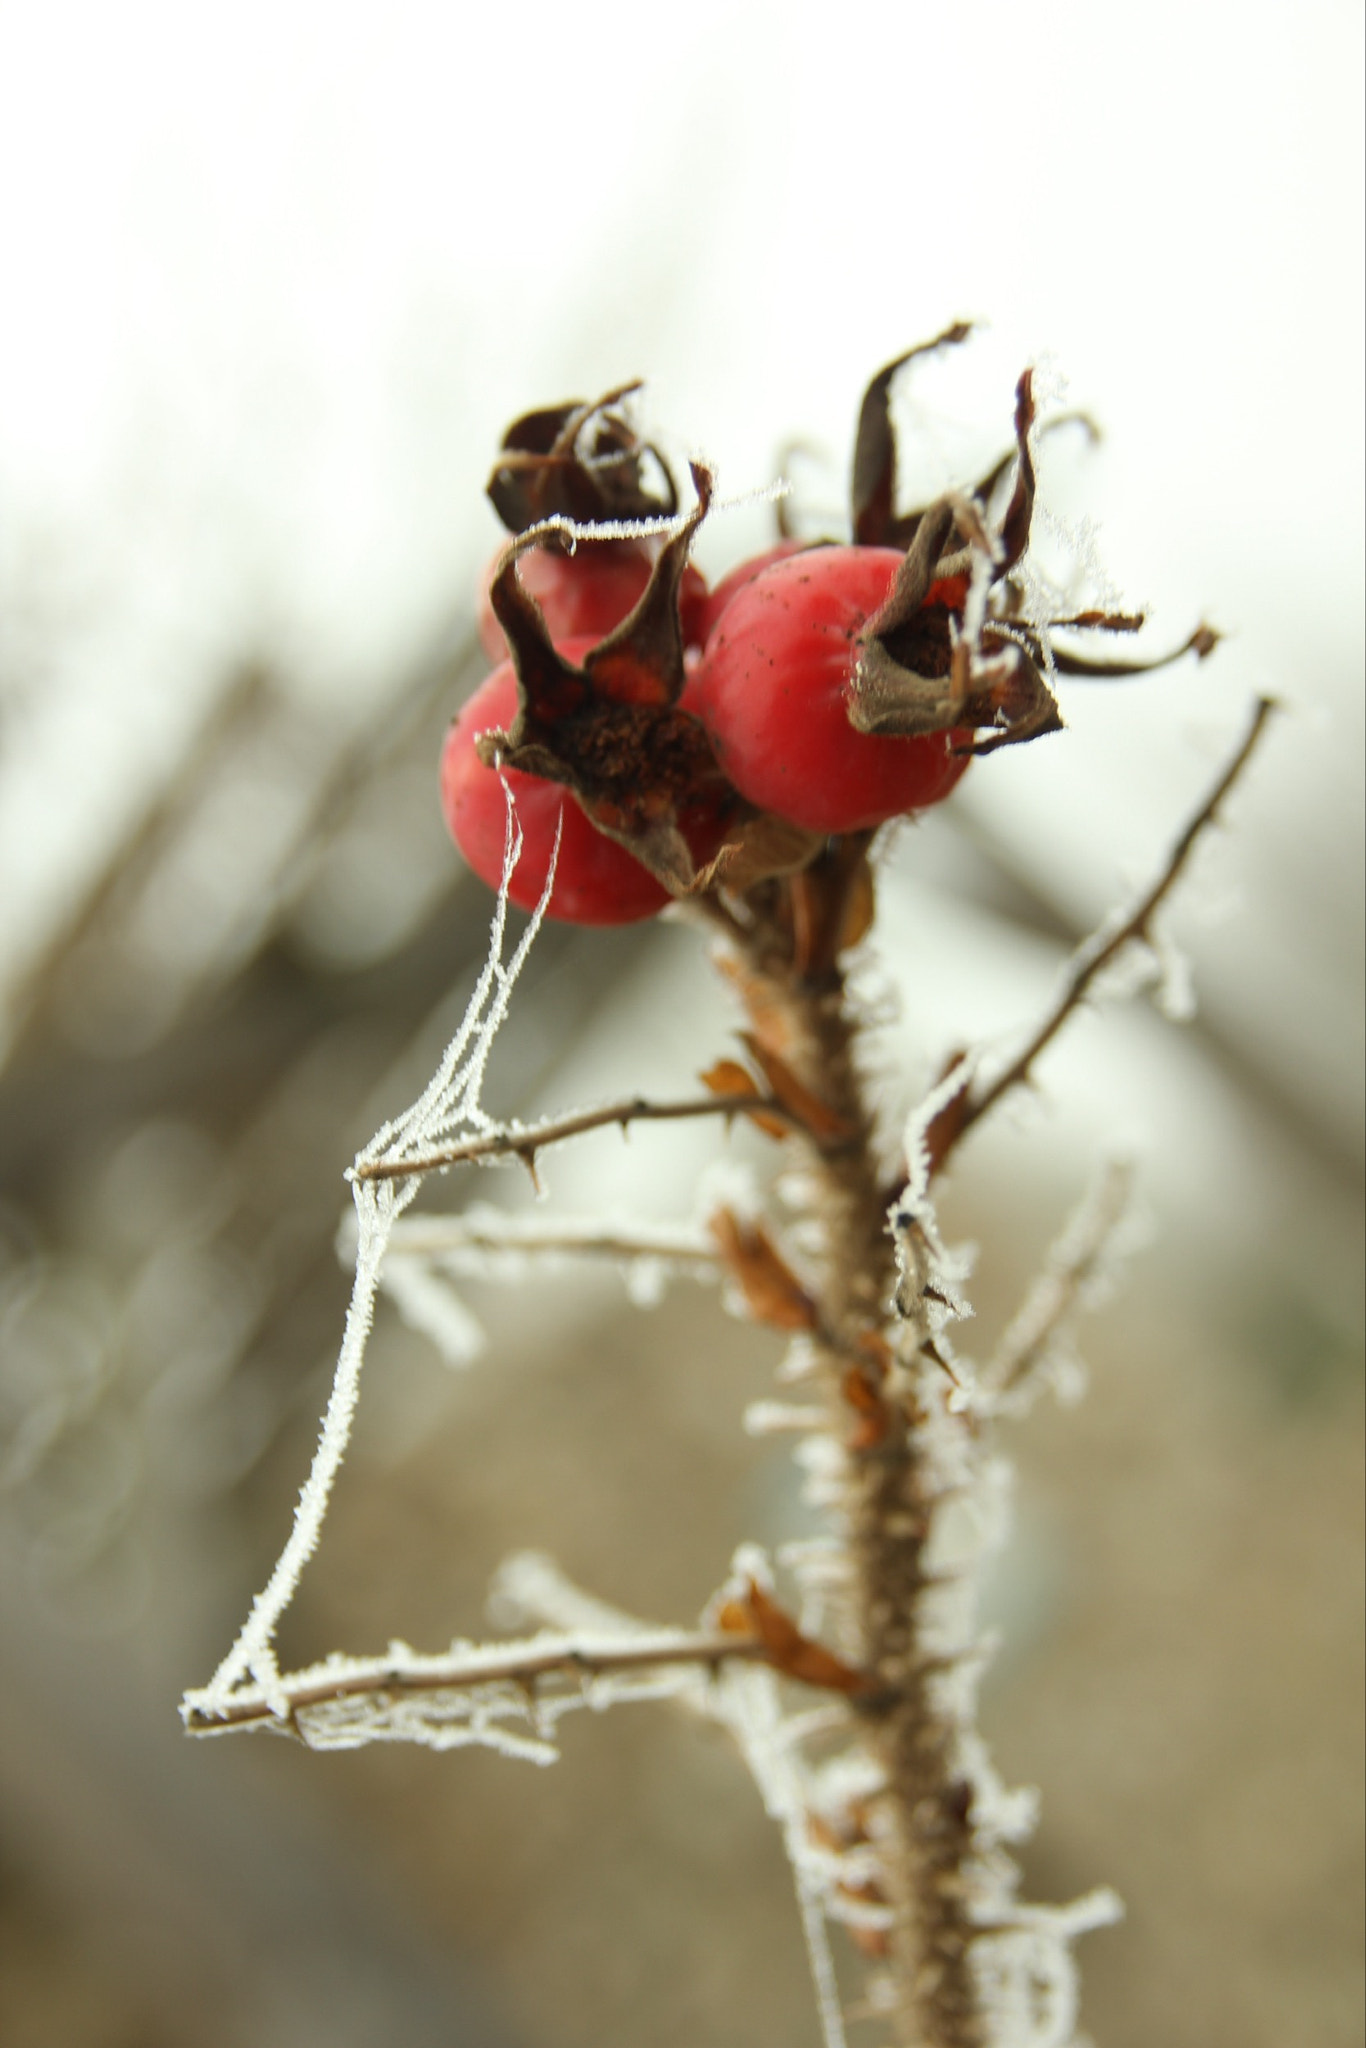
(926, 1834)
(1097, 954)
(525, 1666)
(925, 1823)
(525, 1143)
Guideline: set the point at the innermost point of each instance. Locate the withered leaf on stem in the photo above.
(728, 1077)
(860, 1389)
(773, 1293)
(770, 1016)
(787, 1649)
(831, 903)
(815, 1116)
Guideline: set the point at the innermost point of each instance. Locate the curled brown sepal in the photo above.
(580, 461)
(611, 729)
(758, 848)
(916, 674)
(873, 486)
(1019, 513)
(985, 487)
(1201, 643)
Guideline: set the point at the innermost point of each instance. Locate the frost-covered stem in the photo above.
(924, 1829)
(524, 1141)
(1091, 960)
(524, 1665)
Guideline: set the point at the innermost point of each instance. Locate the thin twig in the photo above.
(1071, 1269)
(438, 1237)
(524, 1142)
(522, 1665)
(1104, 946)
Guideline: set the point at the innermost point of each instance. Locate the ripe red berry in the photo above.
(586, 594)
(772, 690)
(720, 595)
(596, 880)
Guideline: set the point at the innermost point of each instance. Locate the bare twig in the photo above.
(525, 1141)
(1096, 954)
(440, 1237)
(521, 1665)
(1015, 1369)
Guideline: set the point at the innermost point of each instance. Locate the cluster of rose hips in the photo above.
(671, 739)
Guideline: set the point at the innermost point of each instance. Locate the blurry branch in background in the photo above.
(239, 708)
(480, 1234)
(1073, 1271)
(322, 766)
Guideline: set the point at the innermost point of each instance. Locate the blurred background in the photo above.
(274, 281)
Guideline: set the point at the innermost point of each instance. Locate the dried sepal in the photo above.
(610, 729)
(917, 673)
(757, 848)
(580, 461)
(1019, 513)
(985, 488)
(1201, 643)
(873, 484)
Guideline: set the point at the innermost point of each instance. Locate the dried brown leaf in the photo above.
(815, 1116)
(794, 1654)
(863, 1395)
(728, 1077)
(772, 1291)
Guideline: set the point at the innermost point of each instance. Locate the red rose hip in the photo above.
(597, 881)
(773, 685)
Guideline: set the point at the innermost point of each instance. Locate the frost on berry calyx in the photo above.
(581, 462)
(725, 740)
(611, 729)
(920, 670)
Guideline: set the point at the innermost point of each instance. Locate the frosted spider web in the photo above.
(449, 1105)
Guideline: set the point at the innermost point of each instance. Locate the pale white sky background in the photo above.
(273, 279)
